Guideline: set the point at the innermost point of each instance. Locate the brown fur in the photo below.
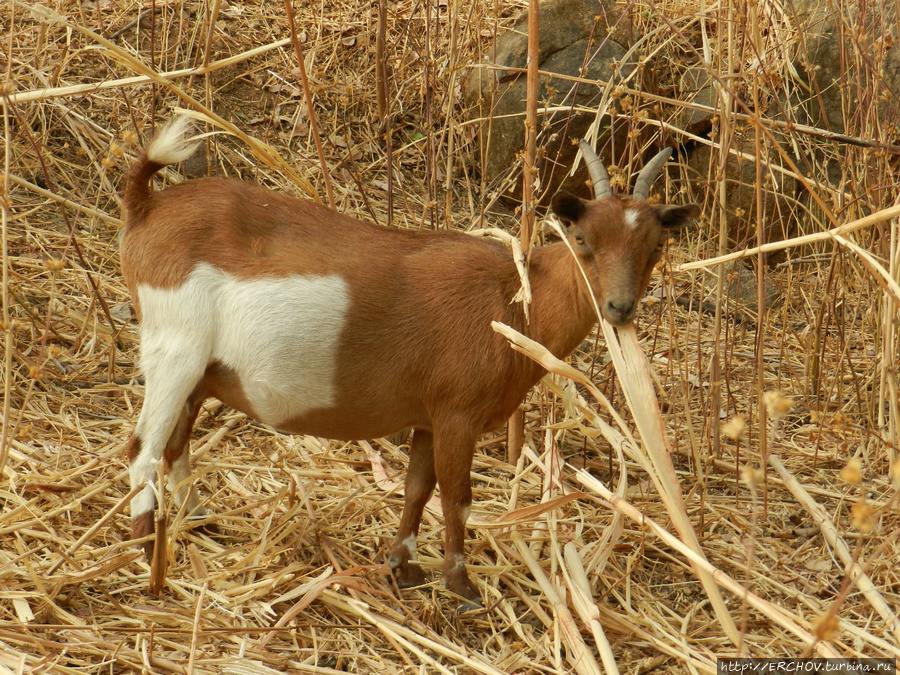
(133, 448)
(418, 349)
(141, 526)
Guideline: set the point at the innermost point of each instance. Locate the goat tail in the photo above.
(170, 146)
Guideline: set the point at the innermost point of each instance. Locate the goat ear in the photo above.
(674, 217)
(567, 206)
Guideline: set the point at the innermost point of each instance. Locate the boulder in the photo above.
(740, 288)
(826, 53)
(576, 40)
(779, 193)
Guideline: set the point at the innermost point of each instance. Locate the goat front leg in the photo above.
(453, 453)
(420, 482)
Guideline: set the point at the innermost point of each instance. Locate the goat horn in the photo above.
(649, 173)
(595, 168)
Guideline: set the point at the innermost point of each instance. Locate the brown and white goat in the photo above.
(318, 323)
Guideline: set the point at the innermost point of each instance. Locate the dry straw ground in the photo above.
(796, 517)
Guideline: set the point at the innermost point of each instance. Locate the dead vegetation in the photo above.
(791, 494)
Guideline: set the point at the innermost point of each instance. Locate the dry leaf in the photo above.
(826, 626)
(231, 11)
(818, 565)
(895, 474)
(777, 405)
(102, 5)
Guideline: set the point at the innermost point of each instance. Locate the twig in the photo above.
(313, 120)
(830, 533)
(5, 204)
(846, 228)
(119, 505)
(524, 295)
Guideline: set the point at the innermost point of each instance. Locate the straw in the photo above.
(582, 549)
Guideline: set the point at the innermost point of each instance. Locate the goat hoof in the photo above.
(469, 598)
(142, 526)
(458, 582)
(470, 601)
(148, 548)
(409, 576)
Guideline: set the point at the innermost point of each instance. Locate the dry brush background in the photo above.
(796, 513)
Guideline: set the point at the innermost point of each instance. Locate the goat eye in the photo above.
(579, 240)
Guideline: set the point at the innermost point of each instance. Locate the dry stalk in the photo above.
(119, 505)
(46, 93)
(313, 118)
(790, 623)
(262, 151)
(7, 323)
(794, 242)
(292, 512)
(520, 258)
(761, 313)
(889, 395)
(381, 88)
(577, 651)
(835, 541)
(410, 638)
(528, 169)
(580, 592)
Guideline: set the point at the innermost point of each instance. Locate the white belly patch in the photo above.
(280, 335)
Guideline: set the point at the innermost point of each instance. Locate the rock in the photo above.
(829, 56)
(695, 86)
(571, 32)
(779, 193)
(740, 287)
(740, 290)
(562, 22)
(851, 57)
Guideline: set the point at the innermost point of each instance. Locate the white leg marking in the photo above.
(143, 472)
(410, 544)
(180, 485)
(175, 346)
(144, 501)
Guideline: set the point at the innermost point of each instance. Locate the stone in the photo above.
(779, 193)
(571, 31)
(820, 55)
(695, 86)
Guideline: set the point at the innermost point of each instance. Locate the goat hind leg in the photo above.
(453, 453)
(177, 458)
(420, 482)
(170, 378)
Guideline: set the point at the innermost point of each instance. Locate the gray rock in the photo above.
(820, 54)
(740, 288)
(779, 193)
(696, 86)
(574, 41)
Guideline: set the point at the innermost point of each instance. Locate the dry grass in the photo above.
(571, 548)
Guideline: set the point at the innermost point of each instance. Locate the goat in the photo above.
(314, 322)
